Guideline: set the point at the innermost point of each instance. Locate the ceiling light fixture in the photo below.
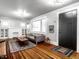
(23, 24)
(21, 13)
(5, 23)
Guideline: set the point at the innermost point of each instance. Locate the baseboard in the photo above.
(55, 43)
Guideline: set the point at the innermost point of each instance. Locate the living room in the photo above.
(39, 29)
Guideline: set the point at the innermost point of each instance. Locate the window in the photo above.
(44, 25)
(6, 32)
(3, 32)
(37, 26)
(29, 28)
(23, 31)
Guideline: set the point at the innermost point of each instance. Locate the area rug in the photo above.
(65, 51)
(14, 46)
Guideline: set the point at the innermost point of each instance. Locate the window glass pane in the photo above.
(29, 28)
(6, 32)
(37, 26)
(44, 25)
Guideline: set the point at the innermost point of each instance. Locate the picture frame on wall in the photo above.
(51, 28)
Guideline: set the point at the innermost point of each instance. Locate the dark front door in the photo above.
(68, 29)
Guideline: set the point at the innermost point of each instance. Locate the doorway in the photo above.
(68, 29)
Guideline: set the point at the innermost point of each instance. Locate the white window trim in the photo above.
(39, 19)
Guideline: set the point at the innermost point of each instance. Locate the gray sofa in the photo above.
(36, 38)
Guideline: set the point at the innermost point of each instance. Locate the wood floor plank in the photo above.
(13, 56)
(34, 56)
(16, 55)
(52, 53)
(74, 56)
(41, 53)
(21, 56)
(26, 55)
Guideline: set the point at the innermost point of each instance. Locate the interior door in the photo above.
(68, 29)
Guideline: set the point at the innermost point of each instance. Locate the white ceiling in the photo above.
(34, 7)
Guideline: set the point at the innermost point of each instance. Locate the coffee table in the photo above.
(22, 41)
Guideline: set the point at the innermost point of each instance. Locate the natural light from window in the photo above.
(39, 25)
(44, 25)
(36, 26)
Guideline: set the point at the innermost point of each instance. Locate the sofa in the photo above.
(36, 38)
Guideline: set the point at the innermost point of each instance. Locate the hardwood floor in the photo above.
(3, 49)
(41, 51)
(33, 53)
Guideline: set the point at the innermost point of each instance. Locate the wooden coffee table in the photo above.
(23, 41)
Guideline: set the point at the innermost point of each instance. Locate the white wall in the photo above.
(53, 16)
(53, 19)
(14, 25)
(37, 19)
(12, 30)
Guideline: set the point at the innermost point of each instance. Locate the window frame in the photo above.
(41, 25)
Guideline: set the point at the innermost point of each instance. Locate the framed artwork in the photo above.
(51, 28)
